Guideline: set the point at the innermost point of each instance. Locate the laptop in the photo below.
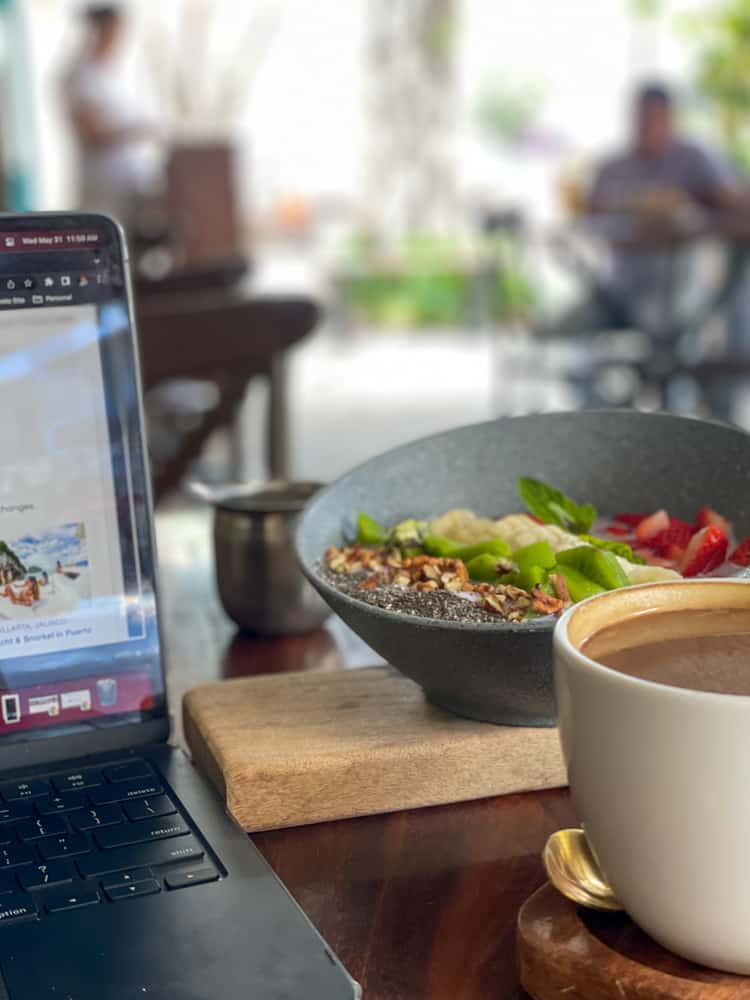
(121, 876)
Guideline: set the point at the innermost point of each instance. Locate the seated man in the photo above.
(657, 177)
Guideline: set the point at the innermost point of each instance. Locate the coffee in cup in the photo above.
(653, 691)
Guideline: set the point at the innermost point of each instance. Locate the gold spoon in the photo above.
(574, 871)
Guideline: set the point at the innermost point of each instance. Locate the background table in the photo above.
(226, 338)
(672, 327)
(418, 904)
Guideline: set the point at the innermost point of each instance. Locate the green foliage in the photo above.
(435, 281)
(646, 8)
(721, 33)
(513, 294)
(505, 111)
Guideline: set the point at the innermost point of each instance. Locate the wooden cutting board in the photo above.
(568, 953)
(296, 748)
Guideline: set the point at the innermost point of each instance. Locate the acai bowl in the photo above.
(452, 556)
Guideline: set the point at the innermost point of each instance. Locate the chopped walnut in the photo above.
(494, 602)
(561, 588)
(425, 573)
(545, 604)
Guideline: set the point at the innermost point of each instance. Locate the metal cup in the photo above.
(259, 582)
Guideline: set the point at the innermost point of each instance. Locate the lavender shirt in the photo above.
(685, 166)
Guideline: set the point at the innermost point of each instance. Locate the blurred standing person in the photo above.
(111, 128)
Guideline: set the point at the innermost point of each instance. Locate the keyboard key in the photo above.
(16, 810)
(58, 900)
(126, 877)
(45, 826)
(126, 772)
(145, 808)
(14, 855)
(7, 833)
(124, 790)
(87, 778)
(120, 859)
(90, 819)
(17, 907)
(51, 873)
(48, 805)
(64, 846)
(12, 790)
(141, 833)
(7, 882)
(145, 888)
(196, 876)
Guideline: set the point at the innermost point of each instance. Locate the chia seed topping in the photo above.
(443, 605)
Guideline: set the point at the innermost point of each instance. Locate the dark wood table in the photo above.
(227, 337)
(418, 904)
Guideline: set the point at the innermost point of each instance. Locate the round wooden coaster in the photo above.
(568, 953)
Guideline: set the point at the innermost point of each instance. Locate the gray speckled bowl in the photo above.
(618, 459)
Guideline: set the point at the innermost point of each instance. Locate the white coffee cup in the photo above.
(660, 779)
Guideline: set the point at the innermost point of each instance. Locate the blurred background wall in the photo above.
(299, 75)
(419, 168)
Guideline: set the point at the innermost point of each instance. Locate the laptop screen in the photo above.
(78, 633)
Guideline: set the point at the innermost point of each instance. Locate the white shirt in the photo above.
(110, 175)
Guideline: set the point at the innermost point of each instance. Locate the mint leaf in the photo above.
(553, 507)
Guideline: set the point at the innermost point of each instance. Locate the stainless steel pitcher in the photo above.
(260, 585)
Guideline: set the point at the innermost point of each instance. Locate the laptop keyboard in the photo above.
(91, 837)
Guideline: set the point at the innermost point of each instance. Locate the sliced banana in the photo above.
(464, 526)
(647, 574)
(519, 530)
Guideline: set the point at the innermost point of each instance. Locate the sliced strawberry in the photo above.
(653, 560)
(650, 557)
(652, 525)
(616, 529)
(677, 535)
(632, 519)
(678, 522)
(706, 516)
(741, 555)
(675, 553)
(706, 551)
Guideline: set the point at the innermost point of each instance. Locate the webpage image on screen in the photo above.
(73, 605)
